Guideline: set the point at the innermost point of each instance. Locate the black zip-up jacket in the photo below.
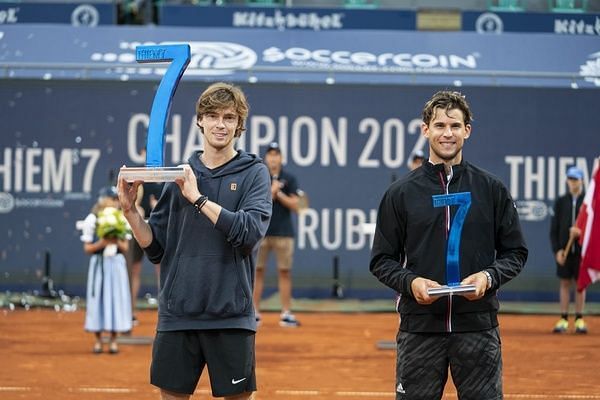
(410, 228)
(564, 218)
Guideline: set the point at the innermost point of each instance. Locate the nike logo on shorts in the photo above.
(236, 381)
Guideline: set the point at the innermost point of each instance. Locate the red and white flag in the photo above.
(588, 221)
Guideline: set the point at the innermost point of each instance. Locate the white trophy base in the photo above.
(151, 174)
(451, 290)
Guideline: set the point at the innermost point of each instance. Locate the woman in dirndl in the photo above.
(108, 298)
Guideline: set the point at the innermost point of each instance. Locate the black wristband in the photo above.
(200, 202)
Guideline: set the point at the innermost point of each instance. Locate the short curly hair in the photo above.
(447, 100)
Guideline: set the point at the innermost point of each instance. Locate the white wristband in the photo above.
(489, 279)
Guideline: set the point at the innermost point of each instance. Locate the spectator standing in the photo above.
(280, 236)
(567, 250)
(416, 159)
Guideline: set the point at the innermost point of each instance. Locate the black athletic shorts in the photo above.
(474, 358)
(571, 268)
(178, 358)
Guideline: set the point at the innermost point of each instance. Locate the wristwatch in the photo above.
(489, 279)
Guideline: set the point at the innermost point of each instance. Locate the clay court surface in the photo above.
(46, 354)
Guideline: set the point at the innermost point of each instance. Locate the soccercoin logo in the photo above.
(219, 58)
(207, 58)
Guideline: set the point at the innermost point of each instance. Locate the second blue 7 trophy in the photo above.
(155, 171)
(453, 286)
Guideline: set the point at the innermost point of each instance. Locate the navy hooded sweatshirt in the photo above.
(206, 270)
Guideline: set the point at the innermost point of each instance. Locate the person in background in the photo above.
(567, 250)
(280, 236)
(134, 12)
(108, 301)
(148, 195)
(204, 232)
(416, 159)
(456, 332)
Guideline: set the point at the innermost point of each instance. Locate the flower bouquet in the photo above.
(111, 224)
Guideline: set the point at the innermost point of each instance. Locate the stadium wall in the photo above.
(345, 143)
(345, 109)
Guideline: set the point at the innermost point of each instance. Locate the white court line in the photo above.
(345, 394)
(14, 389)
(102, 390)
(552, 396)
(543, 396)
(299, 392)
(450, 395)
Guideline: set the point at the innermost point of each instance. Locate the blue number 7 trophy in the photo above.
(453, 286)
(155, 171)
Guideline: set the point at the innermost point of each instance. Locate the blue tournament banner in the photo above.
(73, 13)
(283, 18)
(344, 143)
(349, 56)
(558, 23)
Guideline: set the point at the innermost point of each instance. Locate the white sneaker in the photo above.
(288, 320)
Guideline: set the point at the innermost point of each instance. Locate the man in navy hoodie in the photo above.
(205, 232)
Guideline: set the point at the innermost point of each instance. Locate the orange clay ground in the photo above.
(46, 354)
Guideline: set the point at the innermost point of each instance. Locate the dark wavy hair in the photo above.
(447, 100)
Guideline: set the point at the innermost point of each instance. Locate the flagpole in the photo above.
(568, 246)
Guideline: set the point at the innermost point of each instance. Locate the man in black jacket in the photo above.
(563, 231)
(473, 224)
